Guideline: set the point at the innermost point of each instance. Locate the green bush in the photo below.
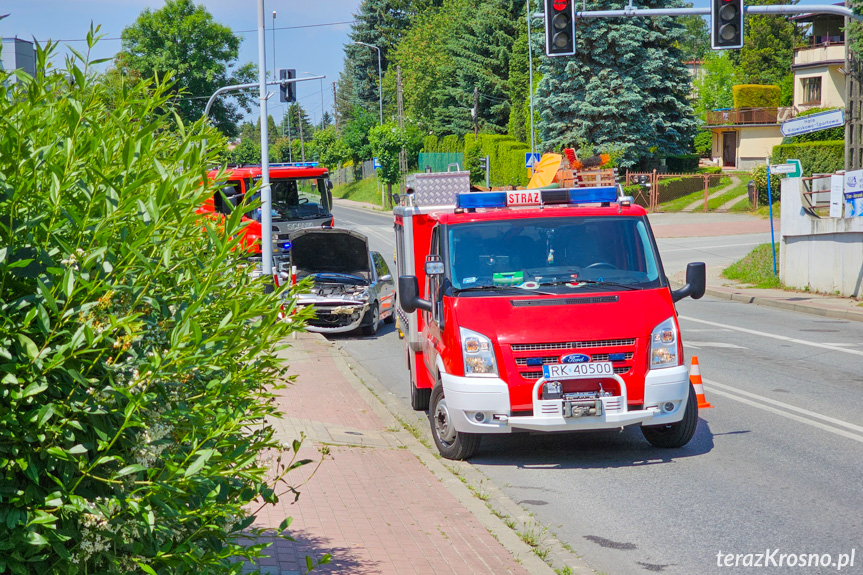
(819, 136)
(136, 350)
(506, 157)
(710, 170)
(815, 157)
(682, 164)
(759, 176)
(703, 143)
(430, 144)
(756, 96)
(450, 144)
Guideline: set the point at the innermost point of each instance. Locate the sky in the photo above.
(318, 50)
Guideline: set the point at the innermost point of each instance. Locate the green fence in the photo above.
(438, 161)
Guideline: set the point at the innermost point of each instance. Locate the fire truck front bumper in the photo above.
(482, 405)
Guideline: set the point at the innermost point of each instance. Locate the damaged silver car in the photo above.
(353, 287)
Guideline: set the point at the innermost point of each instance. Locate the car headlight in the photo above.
(478, 353)
(663, 345)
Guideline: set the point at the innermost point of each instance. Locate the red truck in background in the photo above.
(301, 198)
(540, 310)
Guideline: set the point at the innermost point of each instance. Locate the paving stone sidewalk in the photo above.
(372, 503)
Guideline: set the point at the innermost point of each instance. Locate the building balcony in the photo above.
(749, 116)
(819, 50)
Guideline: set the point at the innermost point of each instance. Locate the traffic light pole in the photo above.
(705, 11)
(237, 87)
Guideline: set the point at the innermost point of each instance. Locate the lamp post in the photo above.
(380, 81)
(290, 156)
(274, 44)
(530, 70)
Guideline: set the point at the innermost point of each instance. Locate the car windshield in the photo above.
(298, 199)
(557, 255)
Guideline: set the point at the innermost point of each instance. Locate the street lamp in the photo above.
(274, 44)
(322, 97)
(380, 81)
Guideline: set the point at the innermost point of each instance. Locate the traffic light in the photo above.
(559, 27)
(726, 24)
(287, 92)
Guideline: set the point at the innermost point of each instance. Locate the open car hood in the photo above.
(330, 251)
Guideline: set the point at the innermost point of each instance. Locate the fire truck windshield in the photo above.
(298, 199)
(556, 254)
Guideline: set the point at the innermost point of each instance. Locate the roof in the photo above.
(275, 172)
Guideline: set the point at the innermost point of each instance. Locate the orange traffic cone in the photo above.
(695, 379)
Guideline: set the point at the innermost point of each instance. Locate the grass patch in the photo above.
(736, 191)
(741, 207)
(683, 201)
(764, 211)
(360, 191)
(756, 268)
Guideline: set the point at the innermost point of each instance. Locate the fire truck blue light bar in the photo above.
(580, 196)
(482, 200)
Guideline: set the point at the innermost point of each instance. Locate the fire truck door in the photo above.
(433, 319)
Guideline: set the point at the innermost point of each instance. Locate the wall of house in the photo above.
(832, 87)
(754, 143)
(820, 254)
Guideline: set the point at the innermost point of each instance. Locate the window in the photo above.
(380, 265)
(811, 90)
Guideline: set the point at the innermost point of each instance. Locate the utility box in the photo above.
(436, 188)
(18, 54)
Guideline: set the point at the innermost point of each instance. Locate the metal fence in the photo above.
(655, 189)
(353, 173)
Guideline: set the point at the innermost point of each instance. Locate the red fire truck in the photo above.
(540, 310)
(301, 198)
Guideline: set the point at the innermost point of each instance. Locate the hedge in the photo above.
(682, 164)
(816, 157)
(756, 96)
(506, 158)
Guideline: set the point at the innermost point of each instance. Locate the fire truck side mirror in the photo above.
(696, 282)
(409, 297)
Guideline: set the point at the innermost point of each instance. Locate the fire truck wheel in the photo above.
(375, 315)
(675, 434)
(450, 443)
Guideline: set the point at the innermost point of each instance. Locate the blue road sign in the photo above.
(375, 163)
(530, 159)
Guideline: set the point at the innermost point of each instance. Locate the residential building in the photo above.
(743, 138)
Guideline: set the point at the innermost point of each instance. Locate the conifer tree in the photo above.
(626, 89)
(481, 51)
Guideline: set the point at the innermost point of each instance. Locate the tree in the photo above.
(386, 143)
(182, 41)
(713, 87)
(480, 50)
(625, 90)
(331, 150)
(298, 114)
(355, 134)
(768, 51)
(695, 42)
(326, 119)
(518, 87)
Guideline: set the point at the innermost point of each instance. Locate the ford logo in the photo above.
(575, 358)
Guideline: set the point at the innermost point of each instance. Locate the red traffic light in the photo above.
(560, 5)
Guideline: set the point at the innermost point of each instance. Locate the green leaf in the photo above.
(199, 463)
(77, 449)
(146, 568)
(44, 414)
(69, 283)
(134, 468)
(34, 388)
(35, 538)
(29, 346)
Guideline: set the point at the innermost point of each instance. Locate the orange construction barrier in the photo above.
(695, 379)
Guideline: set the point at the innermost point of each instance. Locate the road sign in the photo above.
(530, 159)
(798, 171)
(813, 123)
(375, 164)
(782, 168)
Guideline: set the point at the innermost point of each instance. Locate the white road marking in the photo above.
(775, 336)
(700, 344)
(759, 401)
(703, 248)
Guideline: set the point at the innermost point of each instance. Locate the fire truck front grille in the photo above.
(529, 356)
(547, 359)
(563, 346)
(534, 375)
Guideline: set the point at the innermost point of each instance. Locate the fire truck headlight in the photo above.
(663, 345)
(478, 353)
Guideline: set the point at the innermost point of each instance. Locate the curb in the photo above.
(851, 315)
(499, 514)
